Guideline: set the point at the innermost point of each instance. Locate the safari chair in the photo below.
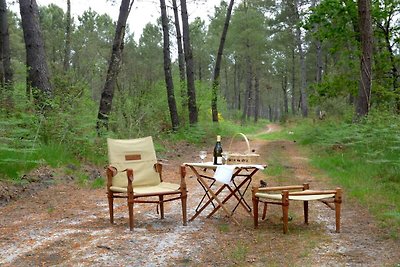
(135, 174)
(283, 195)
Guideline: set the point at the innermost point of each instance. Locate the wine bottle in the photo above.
(218, 151)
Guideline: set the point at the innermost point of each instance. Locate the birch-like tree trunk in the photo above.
(167, 68)
(113, 67)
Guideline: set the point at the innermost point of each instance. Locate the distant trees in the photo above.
(275, 61)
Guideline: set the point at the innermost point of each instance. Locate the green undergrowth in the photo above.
(363, 158)
(67, 136)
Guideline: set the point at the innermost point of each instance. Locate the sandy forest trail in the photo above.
(66, 225)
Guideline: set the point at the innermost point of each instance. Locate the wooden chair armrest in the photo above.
(158, 166)
(111, 172)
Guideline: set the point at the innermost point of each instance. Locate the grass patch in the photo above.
(224, 228)
(98, 183)
(240, 252)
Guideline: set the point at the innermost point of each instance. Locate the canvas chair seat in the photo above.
(162, 188)
(135, 174)
(283, 195)
(297, 197)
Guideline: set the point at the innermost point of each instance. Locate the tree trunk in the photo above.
(113, 67)
(5, 45)
(217, 69)
(285, 95)
(191, 90)
(364, 91)
(167, 68)
(293, 102)
(303, 85)
(394, 72)
(67, 50)
(247, 96)
(235, 104)
(38, 75)
(181, 57)
(256, 96)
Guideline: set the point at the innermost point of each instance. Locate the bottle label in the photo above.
(219, 160)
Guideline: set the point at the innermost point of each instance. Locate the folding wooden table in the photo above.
(239, 183)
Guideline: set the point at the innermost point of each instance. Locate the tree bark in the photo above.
(285, 94)
(67, 50)
(167, 68)
(191, 90)
(113, 67)
(38, 75)
(256, 96)
(293, 102)
(5, 45)
(364, 91)
(217, 69)
(181, 56)
(303, 85)
(247, 96)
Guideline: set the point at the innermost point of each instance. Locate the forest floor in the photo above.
(58, 223)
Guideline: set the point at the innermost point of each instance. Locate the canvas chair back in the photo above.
(137, 154)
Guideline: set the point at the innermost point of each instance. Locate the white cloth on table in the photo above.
(224, 173)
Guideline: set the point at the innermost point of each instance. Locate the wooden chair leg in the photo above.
(264, 215)
(184, 209)
(161, 201)
(305, 206)
(255, 211)
(285, 210)
(130, 207)
(111, 206)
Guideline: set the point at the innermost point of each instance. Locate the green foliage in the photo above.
(364, 158)
(98, 183)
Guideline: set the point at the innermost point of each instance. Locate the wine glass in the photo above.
(225, 156)
(202, 155)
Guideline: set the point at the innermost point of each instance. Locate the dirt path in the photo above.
(65, 225)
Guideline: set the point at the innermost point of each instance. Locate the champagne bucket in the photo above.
(246, 157)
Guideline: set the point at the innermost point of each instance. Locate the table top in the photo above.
(210, 165)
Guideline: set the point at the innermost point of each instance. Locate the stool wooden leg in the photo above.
(264, 211)
(255, 211)
(338, 203)
(285, 210)
(305, 204)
